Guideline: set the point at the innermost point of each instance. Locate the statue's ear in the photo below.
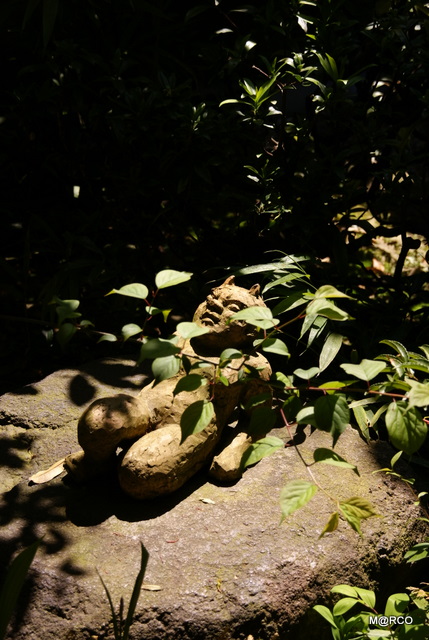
(229, 280)
(255, 291)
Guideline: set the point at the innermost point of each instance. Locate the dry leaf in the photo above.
(44, 476)
(151, 587)
(207, 501)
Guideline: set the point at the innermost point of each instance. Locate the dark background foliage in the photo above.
(117, 160)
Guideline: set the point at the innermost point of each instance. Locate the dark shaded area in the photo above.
(117, 160)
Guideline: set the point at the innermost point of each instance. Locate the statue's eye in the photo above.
(234, 307)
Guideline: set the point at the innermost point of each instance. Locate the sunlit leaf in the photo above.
(328, 309)
(331, 525)
(261, 317)
(419, 394)
(327, 456)
(328, 291)
(307, 374)
(107, 337)
(170, 277)
(405, 426)
(356, 509)
(196, 417)
(366, 370)
(261, 449)
(134, 290)
(188, 330)
(166, 367)
(273, 345)
(129, 330)
(190, 382)
(342, 606)
(330, 349)
(158, 348)
(295, 495)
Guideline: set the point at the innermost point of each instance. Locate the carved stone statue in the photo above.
(158, 461)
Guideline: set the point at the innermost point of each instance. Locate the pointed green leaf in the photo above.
(136, 592)
(296, 299)
(419, 394)
(165, 367)
(306, 416)
(327, 456)
(273, 345)
(14, 581)
(332, 414)
(330, 349)
(345, 590)
(307, 374)
(66, 309)
(230, 354)
(396, 604)
(366, 370)
(190, 382)
(261, 317)
(328, 309)
(65, 333)
(328, 291)
(405, 426)
(398, 346)
(170, 277)
(107, 337)
(196, 417)
(129, 330)
(356, 509)
(188, 330)
(158, 348)
(326, 613)
(343, 605)
(261, 449)
(134, 290)
(331, 525)
(295, 495)
(367, 596)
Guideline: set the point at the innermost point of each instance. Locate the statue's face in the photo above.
(218, 308)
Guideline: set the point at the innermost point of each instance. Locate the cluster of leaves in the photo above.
(386, 395)
(405, 615)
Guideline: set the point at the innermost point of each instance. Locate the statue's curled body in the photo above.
(158, 461)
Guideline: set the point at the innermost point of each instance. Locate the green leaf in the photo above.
(343, 605)
(158, 348)
(328, 291)
(134, 290)
(307, 374)
(65, 333)
(356, 509)
(328, 309)
(166, 367)
(170, 277)
(261, 317)
(14, 581)
(331, 525)
(345, 590)
(395, 458)
(296, 299)
(136, 593)
(188, 330)
(405, 426)
(419, 394)
(229, 354)
(261, 449)
(262, 420)
(396, 604)
(362, 421)
(196, 417)
(367, 596)
(272, 345)
(107, 337)
(327, 456)
(332, 414)
(285, 279)
(366, 370)
(398, 346)
(66, 309)
(129, 330)
(330, 349)
(190, 382)
(295, 495)
(326, 613)
(306, 416)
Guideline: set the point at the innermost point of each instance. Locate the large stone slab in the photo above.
(226, 566)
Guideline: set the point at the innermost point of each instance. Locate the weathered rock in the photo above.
(226, 567)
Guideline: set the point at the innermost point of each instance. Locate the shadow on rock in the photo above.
(94, 502)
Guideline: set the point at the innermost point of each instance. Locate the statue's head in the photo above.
(218, 308)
